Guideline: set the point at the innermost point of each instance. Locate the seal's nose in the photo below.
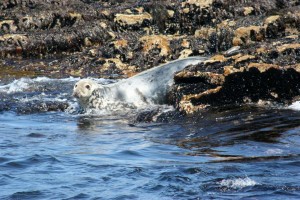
(75, 94)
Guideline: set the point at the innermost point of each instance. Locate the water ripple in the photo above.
(30, 195)
(78, 196)
(31, 161)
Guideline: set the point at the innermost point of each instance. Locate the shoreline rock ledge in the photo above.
(222, 81)
(253, 46)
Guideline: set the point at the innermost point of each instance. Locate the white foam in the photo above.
(295, 106)
(16, 86)
(238, 183)
(23, 84)
(46, 79)
(45, 98)
(103, 81)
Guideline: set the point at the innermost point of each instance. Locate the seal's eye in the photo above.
(75, 86)
(88, 87)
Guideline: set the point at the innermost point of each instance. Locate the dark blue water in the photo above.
(49, 152)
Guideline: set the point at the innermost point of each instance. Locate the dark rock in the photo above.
(247, 79)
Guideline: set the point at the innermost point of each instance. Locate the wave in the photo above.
(28, 84)
(35, 84)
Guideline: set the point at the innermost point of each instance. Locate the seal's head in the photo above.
(83, 90)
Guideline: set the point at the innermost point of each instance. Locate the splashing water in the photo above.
(295, 105)
(238, 183)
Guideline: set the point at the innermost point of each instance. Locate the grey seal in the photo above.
(141, 90)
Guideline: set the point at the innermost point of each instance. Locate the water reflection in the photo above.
(237, 134)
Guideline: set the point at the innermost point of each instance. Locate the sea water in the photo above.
(50, 151)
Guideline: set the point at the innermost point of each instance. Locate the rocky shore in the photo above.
(253, 46)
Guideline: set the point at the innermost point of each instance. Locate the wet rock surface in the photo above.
(253, 46)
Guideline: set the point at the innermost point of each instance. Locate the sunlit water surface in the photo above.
(49, 152)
